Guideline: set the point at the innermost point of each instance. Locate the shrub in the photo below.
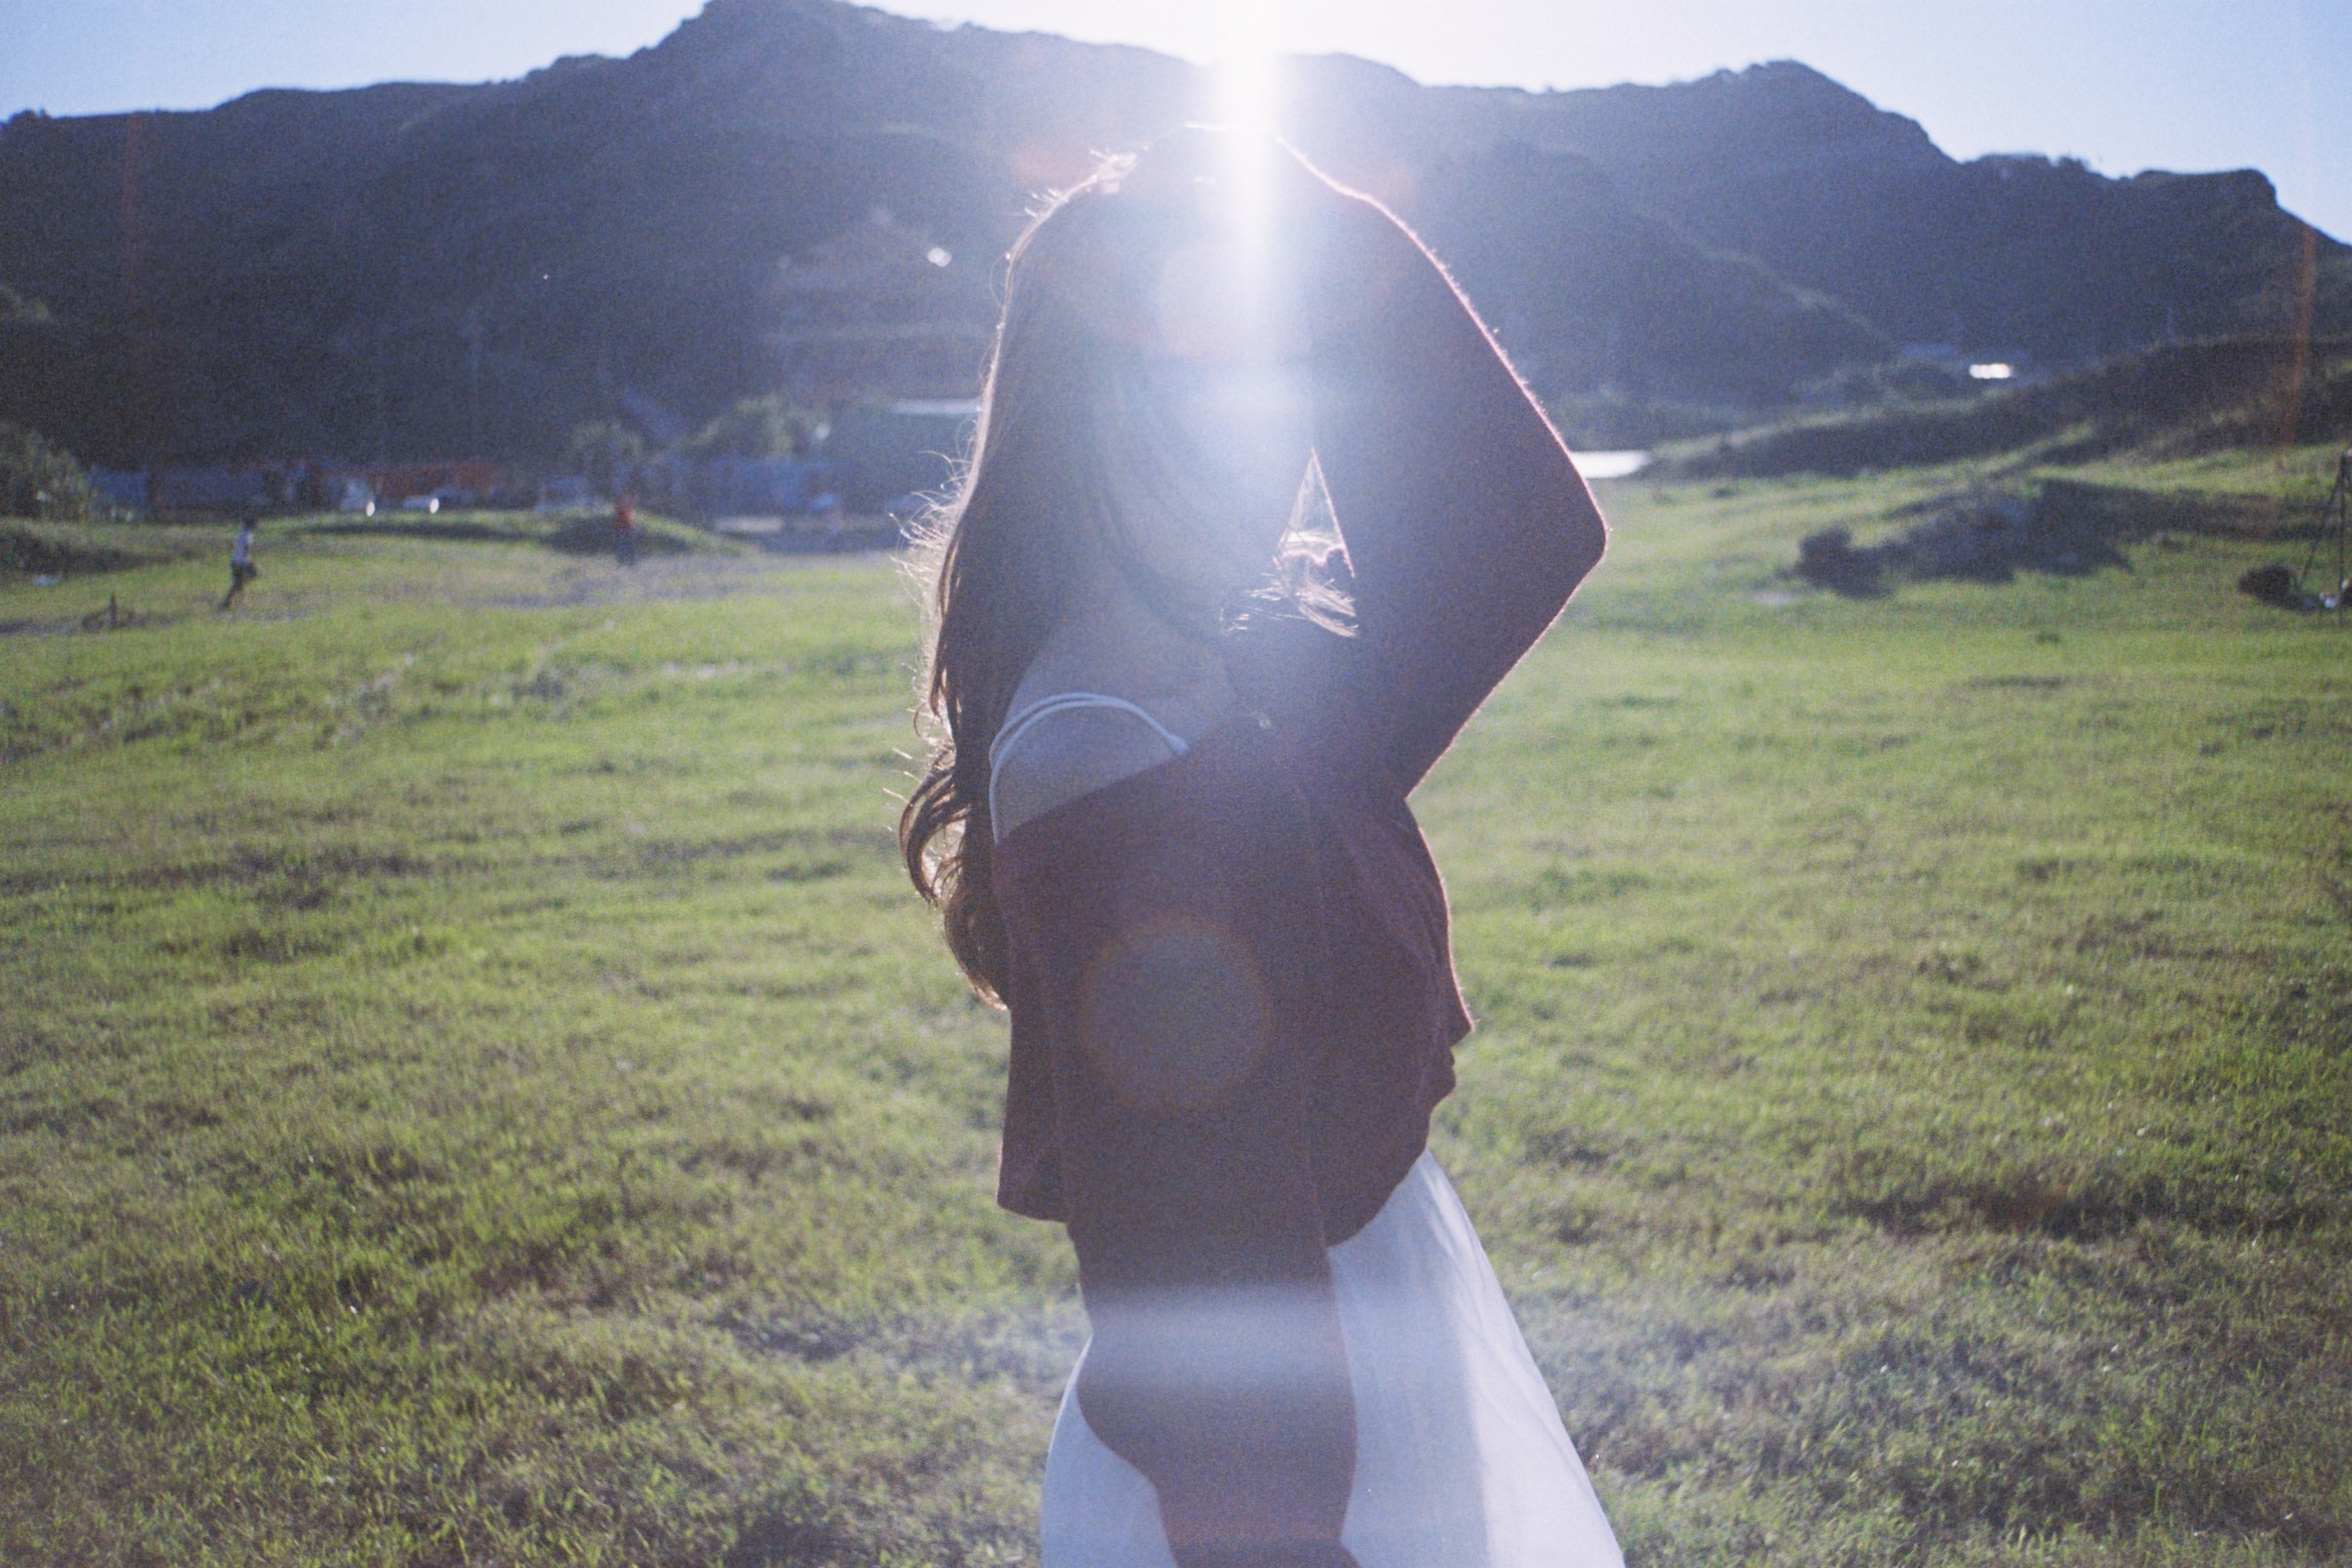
(604, 451)
(1828, 558)
(760, 428)
(37, 479)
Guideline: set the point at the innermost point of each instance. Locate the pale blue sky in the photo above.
(2124, 84)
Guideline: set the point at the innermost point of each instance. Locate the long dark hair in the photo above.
(1034, 507)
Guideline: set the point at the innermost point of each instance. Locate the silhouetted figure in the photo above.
(1175, 841)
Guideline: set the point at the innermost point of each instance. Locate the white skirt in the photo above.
(1461, 1459)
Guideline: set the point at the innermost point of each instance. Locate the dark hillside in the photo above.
(2169, 402)
(1592, 291)
(409, 270)
(2005, 255)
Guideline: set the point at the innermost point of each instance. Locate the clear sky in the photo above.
(2124, 84)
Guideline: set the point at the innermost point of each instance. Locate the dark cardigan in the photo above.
(1232, 988)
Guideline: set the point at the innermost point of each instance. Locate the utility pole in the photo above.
(2334, 527)
(474, 376)
(383, 427)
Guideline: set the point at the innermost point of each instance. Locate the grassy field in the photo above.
(474, 1089)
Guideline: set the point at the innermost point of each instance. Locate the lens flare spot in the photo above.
(1175, 1014)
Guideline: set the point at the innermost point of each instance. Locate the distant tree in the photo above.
(37, 479)
(760, 428)
(23, 311)
(603, 451)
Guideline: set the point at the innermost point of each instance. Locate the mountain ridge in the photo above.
(414, 268)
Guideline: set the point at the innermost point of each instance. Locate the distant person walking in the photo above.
(625, 531)
(241, 569)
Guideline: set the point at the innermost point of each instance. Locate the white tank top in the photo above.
(1061, 702)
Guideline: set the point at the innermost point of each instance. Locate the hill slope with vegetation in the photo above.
(2177, 401)
(411, 270)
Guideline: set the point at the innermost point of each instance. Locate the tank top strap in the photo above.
(1021, 723)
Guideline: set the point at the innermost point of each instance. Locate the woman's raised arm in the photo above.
(1466, 522)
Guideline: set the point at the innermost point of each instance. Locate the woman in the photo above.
(1165, 823)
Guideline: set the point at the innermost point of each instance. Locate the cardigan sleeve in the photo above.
(1216, 1365)
(1466, 523)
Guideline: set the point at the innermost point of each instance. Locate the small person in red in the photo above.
(625, 530)
(1166, 822)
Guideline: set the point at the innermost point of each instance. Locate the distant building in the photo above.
(463, 483)
(881, 312)
(735, 487)
(893, 455)
(186, 487)
(124, 488)
(566, 492)
(308, 484)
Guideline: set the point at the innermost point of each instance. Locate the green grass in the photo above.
(475, 1088)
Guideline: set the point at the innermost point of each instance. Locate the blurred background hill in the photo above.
(809, 199)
